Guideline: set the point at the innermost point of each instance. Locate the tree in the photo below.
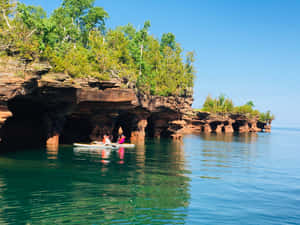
(76, 18)
(128, 30)
(220, 103)
(138, 44)
(7, 8)
(95, 18)
(250, 103)
(228, 106)
(36, 21)
(168, 39)
(208, 104)
(76, 8)
(266, 117)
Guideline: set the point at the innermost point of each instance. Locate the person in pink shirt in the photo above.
(122, 139)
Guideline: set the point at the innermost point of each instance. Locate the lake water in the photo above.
(209, 179)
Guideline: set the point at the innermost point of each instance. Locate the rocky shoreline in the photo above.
(204, 122)
(44, 110)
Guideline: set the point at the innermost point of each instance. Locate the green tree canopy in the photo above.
(168, 39)
(73, 38)
(222, 104)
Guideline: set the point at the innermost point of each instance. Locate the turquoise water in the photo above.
(209, 179)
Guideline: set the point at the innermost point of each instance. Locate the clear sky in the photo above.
(248, 50)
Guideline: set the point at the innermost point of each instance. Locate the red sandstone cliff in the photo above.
(54, 108)
(45, 109)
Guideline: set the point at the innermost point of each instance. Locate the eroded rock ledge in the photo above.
(55, 108)
(203, 122)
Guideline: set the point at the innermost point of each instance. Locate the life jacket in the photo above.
(122, 140)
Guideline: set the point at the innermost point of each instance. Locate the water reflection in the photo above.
(146, 185)
(200, 181)
(218, 155)
(140, 155)
(52, 152)
(246, 137)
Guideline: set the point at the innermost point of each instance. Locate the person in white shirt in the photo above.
(106, 140)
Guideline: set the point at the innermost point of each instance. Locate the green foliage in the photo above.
(218, 105)
(168, 40)
(250, 103)
(74, 40)
(94, 18)
(75, 62)
(266, 117)
(75, 19)
(31, 16)
(7, 8)
(225, 105)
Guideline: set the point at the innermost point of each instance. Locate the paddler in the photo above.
(121, 139)
(106, 140)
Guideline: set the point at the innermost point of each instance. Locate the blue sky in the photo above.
(248, 50)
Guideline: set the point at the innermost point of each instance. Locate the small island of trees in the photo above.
(224, 105)
(75, 41)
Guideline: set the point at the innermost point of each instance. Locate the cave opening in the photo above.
(123, 121)
(223, 129)
(76, 129)
(237, 124)
(27, 127)
(149, 130)
(226, 123)
(158, 125)
(165, 133)
(213, 126)
(260, 125)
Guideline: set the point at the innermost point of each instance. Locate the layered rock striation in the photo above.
(55, 108)
(204, 122)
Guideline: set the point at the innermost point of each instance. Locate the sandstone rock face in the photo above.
(4, 114)
(11, 87)
(207, 128)
(244, 128)
(224, 123)
(138, 133)
(219, 128)
(53, 142)
(55, 109)
(267, 128)
(228, 126)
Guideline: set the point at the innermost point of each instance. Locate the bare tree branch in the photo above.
(30, 34)
(5, 18)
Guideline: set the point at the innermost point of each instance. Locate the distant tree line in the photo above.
(225, 105)
(75, 41)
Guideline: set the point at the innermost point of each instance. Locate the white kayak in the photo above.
(113, 145)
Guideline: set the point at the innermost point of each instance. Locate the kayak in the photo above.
(113, 145)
